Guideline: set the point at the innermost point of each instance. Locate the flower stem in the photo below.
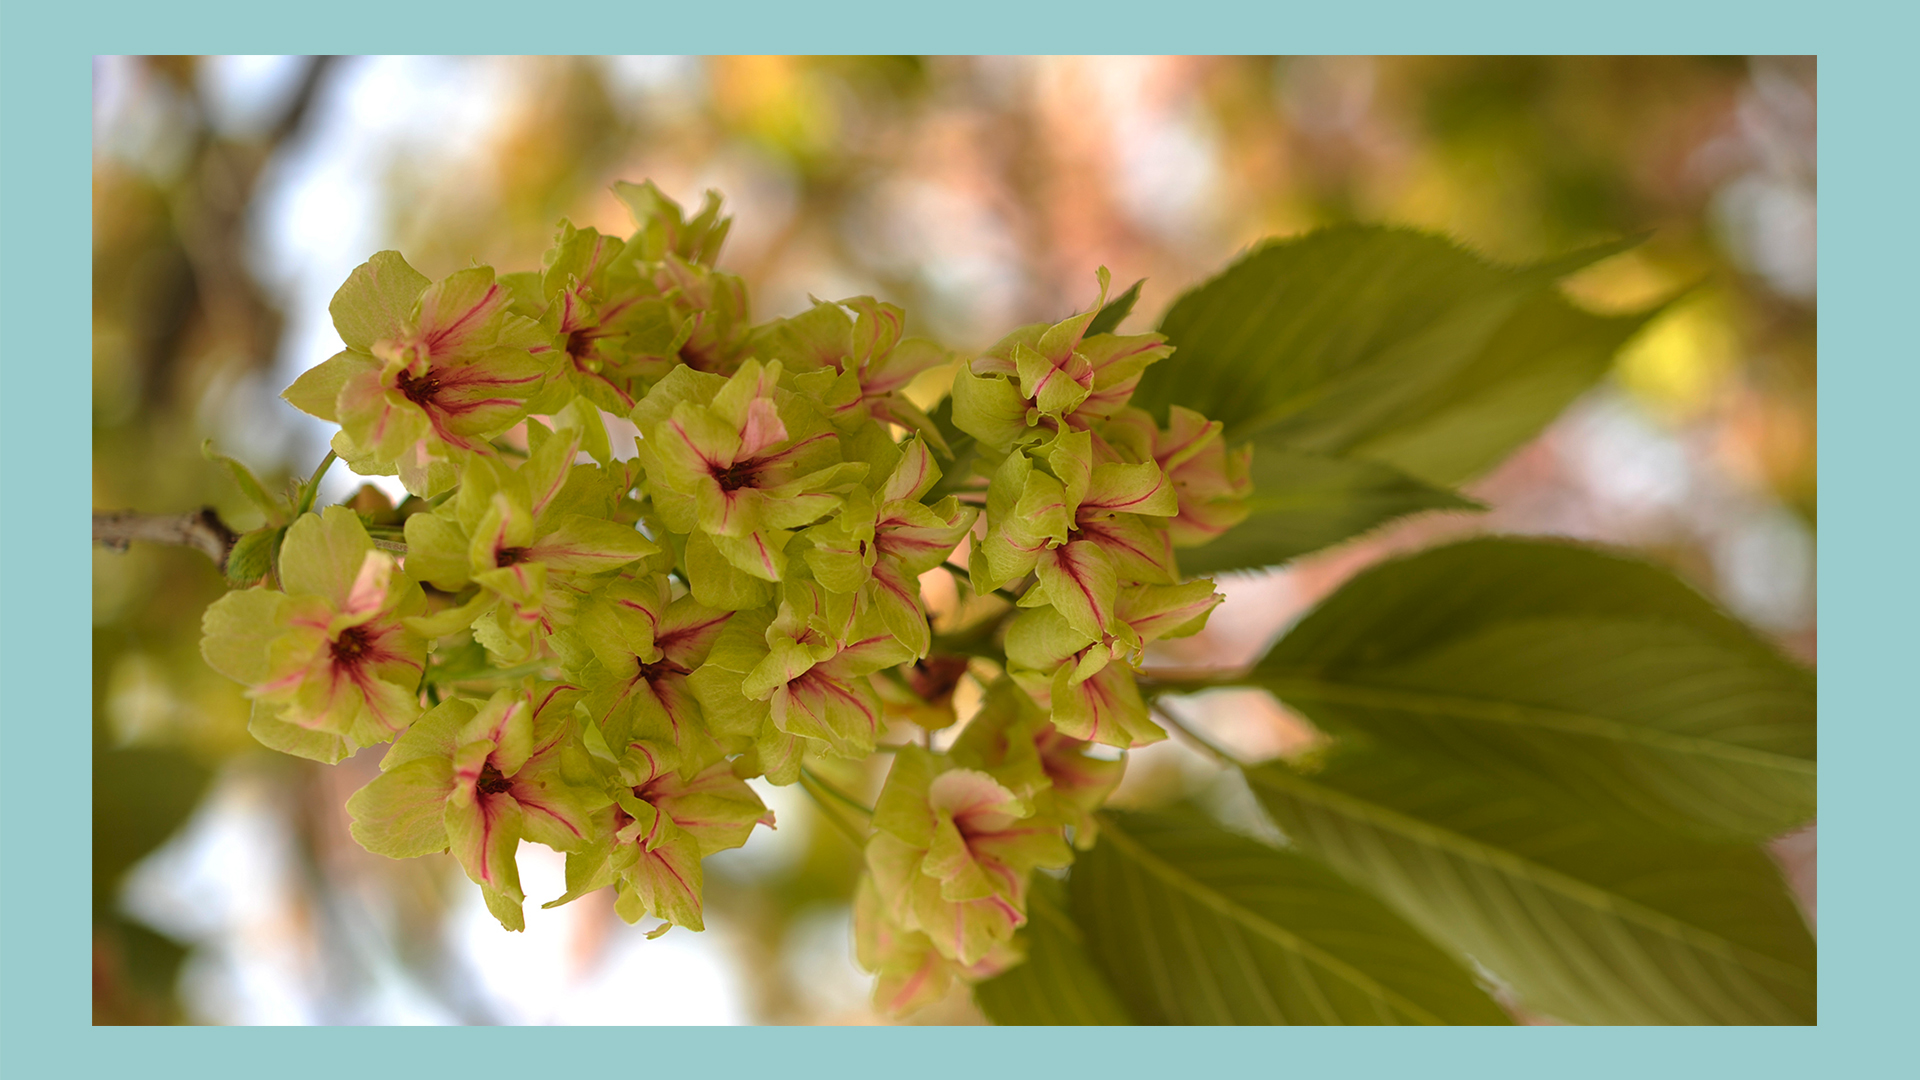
(837, 805)
(311, 489)
(1199, 741)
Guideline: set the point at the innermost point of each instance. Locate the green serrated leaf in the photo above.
(253, 555)
(1195, 925)
(1303, 502)
(1385, 343)
(274, 508)
(1589, 923)
(1568, 673)
(1057, 984)
(1535, 365)
(1116, 310)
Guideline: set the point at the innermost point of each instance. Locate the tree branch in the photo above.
(201, 530)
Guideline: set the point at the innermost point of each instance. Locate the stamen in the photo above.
(491, 782)
(736, 476)
(419, 391)
(352, 643)
(935, 677)
(580, 344)
(659, 669)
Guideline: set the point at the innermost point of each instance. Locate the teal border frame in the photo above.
(1866, 564)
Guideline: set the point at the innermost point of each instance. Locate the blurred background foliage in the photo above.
(233, 194)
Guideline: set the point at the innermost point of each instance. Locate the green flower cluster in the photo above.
(596, 651)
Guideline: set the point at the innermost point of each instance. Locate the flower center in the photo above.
(660, 669)
(509, 556)
(934, 678)
(736, 476)
(351, 645)
(491, 782)
(419, 391)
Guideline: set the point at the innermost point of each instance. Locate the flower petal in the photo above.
(1079, 580)
(402, 814)
(485, 836)
(376, 300)
(579, 544)
(324, 554)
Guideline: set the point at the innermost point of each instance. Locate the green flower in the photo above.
(431, 372)
(741, 724)
(781, 681)
(626, 313)
(476, 780)
(659, 828)
(329, 663)
(709, 310)
(664, 229)
(880, 543)
(645, 646)
(1013, 740)
(952, 852)
(741, 461)
(619, 315)
(910, 972)
(1211, 483)
(814, 676)
(922, 692)
(1042, 380)
(1085, 679)
(706, 309)
(596, 305)
(865, 364)
(523, 536)
(1082, 530)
